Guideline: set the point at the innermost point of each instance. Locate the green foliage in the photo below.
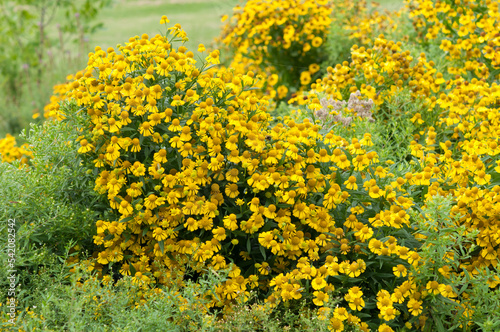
(31, 47)
(82, 302)
(447, 246)
(394, 129)
(51, 201)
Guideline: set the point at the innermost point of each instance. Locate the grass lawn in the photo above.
(127, 18)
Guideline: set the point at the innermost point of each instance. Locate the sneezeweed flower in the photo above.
(350, 183)
(433, 287)
(320, 298)
(385, 328)
(336, 325)
(388, 313)
(415, 307)
(364, 233)
(318, 283)
(400, 270)
(164, 20)
(85, 146)
(355, 299)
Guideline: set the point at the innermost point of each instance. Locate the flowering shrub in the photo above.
(455, 150)
(395, 82)
(192, 173)
(465, 31)
(285, 39)
(194, 180)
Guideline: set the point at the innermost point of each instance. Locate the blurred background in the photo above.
(44, 41)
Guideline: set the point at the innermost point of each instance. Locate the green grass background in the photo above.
(128, 18)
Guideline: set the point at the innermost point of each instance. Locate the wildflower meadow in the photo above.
(318, 166)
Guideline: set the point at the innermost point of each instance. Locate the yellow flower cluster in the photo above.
(284, 39)
(192, 173)
(456, 154)
(367, 26)
(9, 151)
(466, 31)
(375, 74)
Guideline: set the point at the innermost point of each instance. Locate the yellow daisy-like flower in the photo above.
(219, 233)
(316, 42)
(152, 201)
(103, 257)
(350, 183)
(85, 146)
(318, 283)
(164, 20)
(213, 58)
(414, 307)
(146, 129)
(125, 208)
(320, 298)
(230, 222)
(385, 328)
(232, 190)
(400, 270)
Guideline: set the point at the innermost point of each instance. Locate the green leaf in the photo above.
(263, 252)
(439, 324)
(162, 246)
(132, 269)
(249, 246)
(126, 219)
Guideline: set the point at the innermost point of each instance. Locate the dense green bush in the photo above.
(51, 201)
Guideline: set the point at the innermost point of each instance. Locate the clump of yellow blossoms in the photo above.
(456, 151)
(466, 31)
(193, 175)
(284, 39)
(9, 151)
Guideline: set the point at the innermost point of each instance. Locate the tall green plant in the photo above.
(50, 203)
(34, 36)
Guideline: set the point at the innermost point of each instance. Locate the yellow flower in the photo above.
(103, 257)
(433, 287)
(356, 268)
(191, 224)
(318, 283)
(164, 20)
(232, 190)
(364, 233)
(85, 146)
(230, 222)
(388, 313)
(414, 307)
(336, 325)
(125, 208)
(219, 233)
(351, 183)
(146, 129)
(399, 270)
(385, 328)
(316, 42)
(320, 298)
(213, 58)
